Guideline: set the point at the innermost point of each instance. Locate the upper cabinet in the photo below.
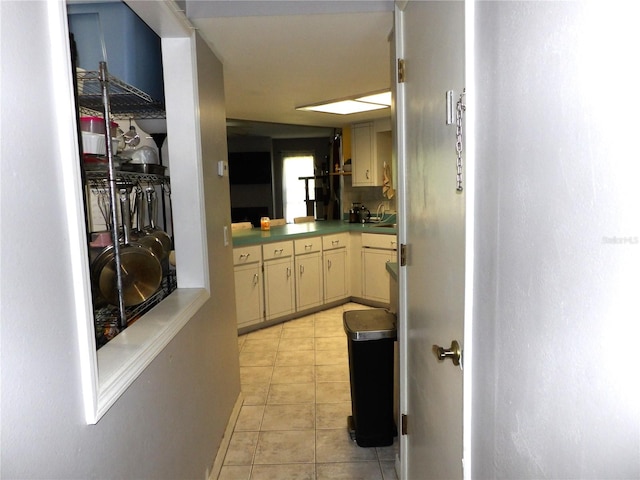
(370, 150)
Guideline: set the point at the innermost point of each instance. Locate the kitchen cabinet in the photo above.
(308, 264)
(279, 283)
(370, 149)
(361, 154)
(247, 269)
(335, 267)
(355, 264)
(277, 280)
(377, 251)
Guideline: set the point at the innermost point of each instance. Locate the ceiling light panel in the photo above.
(383, 98)
(344, 107)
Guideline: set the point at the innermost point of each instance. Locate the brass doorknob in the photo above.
(454, 353)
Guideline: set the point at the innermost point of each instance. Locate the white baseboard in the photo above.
(224, 445)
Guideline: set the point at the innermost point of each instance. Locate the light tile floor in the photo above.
(293, 421)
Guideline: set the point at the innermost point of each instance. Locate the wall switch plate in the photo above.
(223, 168)
(225, 235)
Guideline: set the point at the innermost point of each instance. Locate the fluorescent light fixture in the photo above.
(366, 103)
(383, 98)
(344, 107)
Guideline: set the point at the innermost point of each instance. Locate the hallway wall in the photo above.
(557, 254)
(170, 421)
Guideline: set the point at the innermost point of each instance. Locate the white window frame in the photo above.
(108, 372)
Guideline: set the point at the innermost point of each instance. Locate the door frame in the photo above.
(398, 117)
(469, 172)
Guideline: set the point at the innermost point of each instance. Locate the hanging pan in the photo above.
(141, 269)
(151, 228)
(139, 235)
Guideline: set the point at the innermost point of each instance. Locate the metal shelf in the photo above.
(99, 178)
(126, 100)
(108, 174)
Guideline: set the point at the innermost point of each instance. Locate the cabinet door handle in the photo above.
(335, 242)
(328, 264)
(288, 272)
(394, 244)
(367, 174)
(301, 269)
(255, 278)
(308, 246)
(244, 256)
(278, 251)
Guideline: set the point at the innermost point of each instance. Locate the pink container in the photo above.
(96, 125)
(101, 239)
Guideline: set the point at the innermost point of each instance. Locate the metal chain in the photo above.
(460, 108)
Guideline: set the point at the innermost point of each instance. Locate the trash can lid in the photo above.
(373, 324)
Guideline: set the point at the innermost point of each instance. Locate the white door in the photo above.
(248, 284)
(335, 274)
(362, 151)
(430, 39)
(279, 296)
(309, 281)
(375, 279)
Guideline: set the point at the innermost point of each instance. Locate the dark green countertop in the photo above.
(255, 236)
(392, 268)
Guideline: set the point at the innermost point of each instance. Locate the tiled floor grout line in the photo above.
(326, 372)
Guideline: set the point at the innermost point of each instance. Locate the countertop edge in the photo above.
(392, 268)
(256, 236)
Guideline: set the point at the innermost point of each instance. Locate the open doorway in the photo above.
(297, 186)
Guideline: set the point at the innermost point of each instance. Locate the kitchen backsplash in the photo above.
(371, 197)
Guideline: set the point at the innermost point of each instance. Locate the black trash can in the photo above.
(371, 334)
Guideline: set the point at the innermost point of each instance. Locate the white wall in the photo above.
(555, 387)
(169, 423)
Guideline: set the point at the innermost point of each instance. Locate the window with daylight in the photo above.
(293, 189)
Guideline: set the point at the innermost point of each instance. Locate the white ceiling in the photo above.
(279, 55)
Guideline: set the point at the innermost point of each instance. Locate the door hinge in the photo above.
(403, 427)
(401, 70)
(403, 254)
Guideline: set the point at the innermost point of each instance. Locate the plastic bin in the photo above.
(371, 335)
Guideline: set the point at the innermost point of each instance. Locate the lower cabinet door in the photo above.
(375, 278)
(335, 275)
(279, 287)
(308, 280)
(249, 306)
